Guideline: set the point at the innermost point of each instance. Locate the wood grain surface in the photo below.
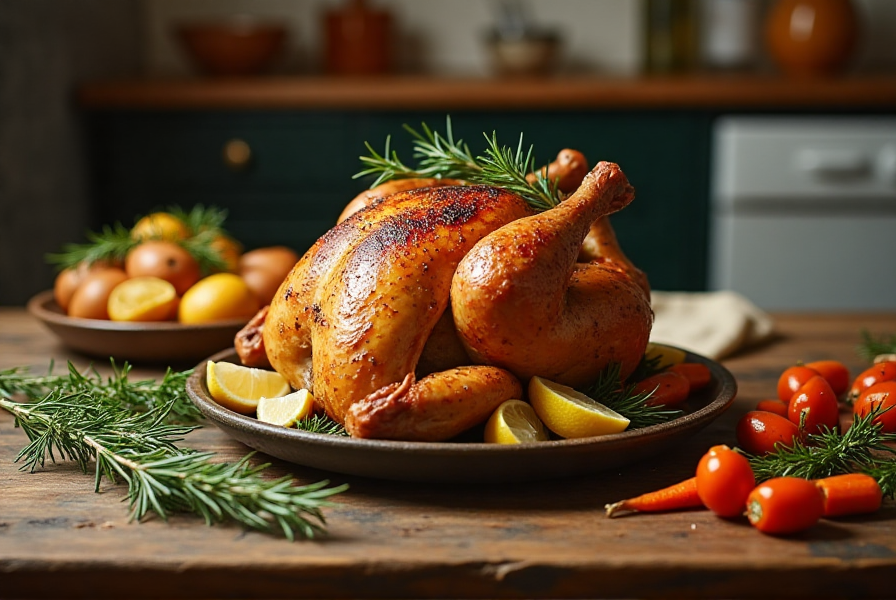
(426, 92)
(59, 539)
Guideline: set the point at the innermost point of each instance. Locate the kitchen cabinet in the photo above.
(161, 143)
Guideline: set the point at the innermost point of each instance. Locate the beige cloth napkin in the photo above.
(713, 324)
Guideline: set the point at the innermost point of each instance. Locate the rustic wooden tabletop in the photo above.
(543, 539)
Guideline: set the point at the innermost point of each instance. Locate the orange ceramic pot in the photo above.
(811, 37)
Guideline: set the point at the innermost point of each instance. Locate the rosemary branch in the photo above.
(441, 156)
(612, 392)
(871, 347)
(126, 428)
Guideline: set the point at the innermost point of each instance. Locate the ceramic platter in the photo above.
(466, 462)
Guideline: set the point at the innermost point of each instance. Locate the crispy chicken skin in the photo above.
(368, 294)
(521, 300)
(368, 197)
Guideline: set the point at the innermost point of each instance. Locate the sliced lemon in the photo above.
(514, 422)
(240, 388)
(570, 413)
(285, 410)
(142, 299)
(668, 355)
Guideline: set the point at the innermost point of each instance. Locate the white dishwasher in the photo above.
(803, 212)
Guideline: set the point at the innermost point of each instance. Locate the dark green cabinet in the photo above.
(302, 162)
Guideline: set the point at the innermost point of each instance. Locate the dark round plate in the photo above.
(150, 342)
(466, 462)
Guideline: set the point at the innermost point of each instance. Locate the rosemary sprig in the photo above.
(884, 472)
(140, 449)
(318, 423)
(828, 453)
(112, 244)
(442, 156)
(609, 390)
(201, 218)
(871, 346)
(117, 391)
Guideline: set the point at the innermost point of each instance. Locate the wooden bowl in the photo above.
(167, 342)
(234, 47)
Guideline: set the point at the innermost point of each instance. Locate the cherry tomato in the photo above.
(785, 505)
(820, 403)
(880, 396)
(697, 374)
(835, 372)
(724, 480)
(669, 388)
(773, 406)
(793, 379)
(882, 371)
(758, 432)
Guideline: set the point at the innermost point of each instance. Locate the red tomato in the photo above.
(758, 432)
(669, 388)
(882, 371)
(785, 505)
(880, 396)
(793, 379)
(724, 480)
(697, 374)
(820, 403)
(773, 406)
(835, 372)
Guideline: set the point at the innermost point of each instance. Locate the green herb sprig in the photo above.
(871, 347)
(862, 448)
(612, 392)
(130, 430)
(441, 156)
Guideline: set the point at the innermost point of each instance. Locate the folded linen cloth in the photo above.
(713, 324)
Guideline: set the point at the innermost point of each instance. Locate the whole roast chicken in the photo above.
(431, 302)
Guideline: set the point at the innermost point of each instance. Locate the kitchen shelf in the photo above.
(754, 92)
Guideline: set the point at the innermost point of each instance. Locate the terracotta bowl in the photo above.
(236, 47)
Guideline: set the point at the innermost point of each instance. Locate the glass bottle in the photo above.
(671, 35)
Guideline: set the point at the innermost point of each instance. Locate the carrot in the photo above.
(697, 374)
(773, 406)
(678, 496)
(668, 388)
(850, 494)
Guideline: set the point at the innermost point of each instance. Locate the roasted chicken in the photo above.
(424, 309)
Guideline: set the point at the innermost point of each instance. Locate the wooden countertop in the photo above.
(756, 92)
(59, 539)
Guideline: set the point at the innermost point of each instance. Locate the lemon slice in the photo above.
(285, 410)
(514, 422)
(142, 299)
(668, 356)
(240, 388)
(570, 413)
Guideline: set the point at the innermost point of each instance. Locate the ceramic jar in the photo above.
(809, 38)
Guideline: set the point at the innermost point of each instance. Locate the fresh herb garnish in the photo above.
(612, 392)
(872, 347)
(441, 156)
(130, 430)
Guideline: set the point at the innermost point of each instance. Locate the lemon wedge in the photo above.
(570, 413)
(514, 422)
(285, 410)
(240, 388)
(668, 355)
(142, 299)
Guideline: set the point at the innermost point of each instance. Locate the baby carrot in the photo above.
(697, 374)
(850, 494)
(674, 497)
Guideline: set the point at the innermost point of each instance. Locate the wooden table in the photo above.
(549, 539)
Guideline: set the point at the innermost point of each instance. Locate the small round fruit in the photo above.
(165, 260)
(90, 300)
(68, 280)
(880, 371)
(218, 297)
(724, 480)
(230, 251)
(759, 432)
(793, 379)
(819, 403)
(880, 397)
(836, 373)
(264, 269)
(143, 299)
(160, 226)
(785, 505)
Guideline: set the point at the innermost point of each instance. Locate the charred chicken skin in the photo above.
(422, 310)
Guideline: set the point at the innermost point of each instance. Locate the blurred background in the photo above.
(791, 201)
